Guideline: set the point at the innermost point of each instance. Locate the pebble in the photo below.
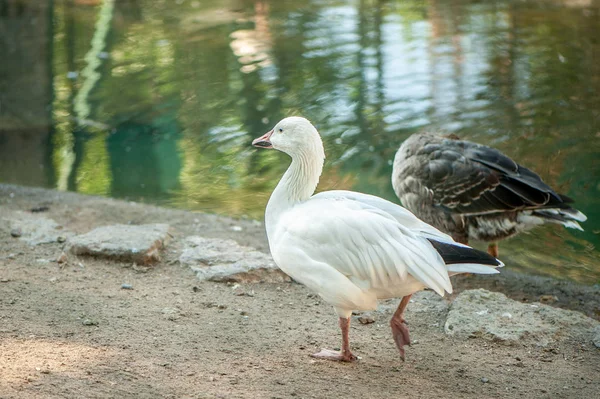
(171, 314)
(62, 258)
(61, 239)
(548, 298)
(366, 319)
(239, 291)
(126, 286)
(209, 305)
(16, 232)
(4, 280)
(485, 380)
(88, 322)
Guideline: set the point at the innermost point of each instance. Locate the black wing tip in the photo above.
(566, 199)
(452, 254)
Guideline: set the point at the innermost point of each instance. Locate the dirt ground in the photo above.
(72, 331)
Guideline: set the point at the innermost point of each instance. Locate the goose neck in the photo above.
(296, 186)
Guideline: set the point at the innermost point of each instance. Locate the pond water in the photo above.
(157, 101)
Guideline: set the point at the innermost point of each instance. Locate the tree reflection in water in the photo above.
(177, 91)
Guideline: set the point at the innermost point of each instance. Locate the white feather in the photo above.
(572, 225)
(471, 268)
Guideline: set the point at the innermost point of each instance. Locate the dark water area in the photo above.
(157, 101)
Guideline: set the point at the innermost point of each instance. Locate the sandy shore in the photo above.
(71, 330)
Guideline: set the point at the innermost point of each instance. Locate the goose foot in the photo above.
(328, 354)
(344, 355)
(399, 327)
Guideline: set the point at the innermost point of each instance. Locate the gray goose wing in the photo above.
(470, 178)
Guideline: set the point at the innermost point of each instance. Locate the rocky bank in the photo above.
(81, 277)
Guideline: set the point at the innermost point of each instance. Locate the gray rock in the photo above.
(491, 315)
(140, 244)
(427, 302)
(224, 260)
(596, 337)
(423, 302)
(35, 229)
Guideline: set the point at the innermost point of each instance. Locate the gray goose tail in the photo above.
(564, 214)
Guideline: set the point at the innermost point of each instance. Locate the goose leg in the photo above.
(493, 249)
(344, 355)
(399, 328)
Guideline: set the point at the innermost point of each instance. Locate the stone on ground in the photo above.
(224, 260)
(596, 338)
(140, 244)
(491, 315)
(421, 302)
(428, 302)
(35, 229)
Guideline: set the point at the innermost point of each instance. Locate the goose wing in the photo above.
(363, 242)
(469, 178)
(402, 215)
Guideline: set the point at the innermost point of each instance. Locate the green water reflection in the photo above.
(158, 100)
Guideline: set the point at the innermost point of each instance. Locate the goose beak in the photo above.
(263, 141)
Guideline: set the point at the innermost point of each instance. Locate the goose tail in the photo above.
(568, 217)
(461, 258)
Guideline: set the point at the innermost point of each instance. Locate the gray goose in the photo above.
(474, 192)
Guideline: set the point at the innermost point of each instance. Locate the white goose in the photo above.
(353, 248)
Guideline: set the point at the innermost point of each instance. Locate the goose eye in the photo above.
(280, 130)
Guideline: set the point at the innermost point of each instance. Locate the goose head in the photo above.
(295, 136)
